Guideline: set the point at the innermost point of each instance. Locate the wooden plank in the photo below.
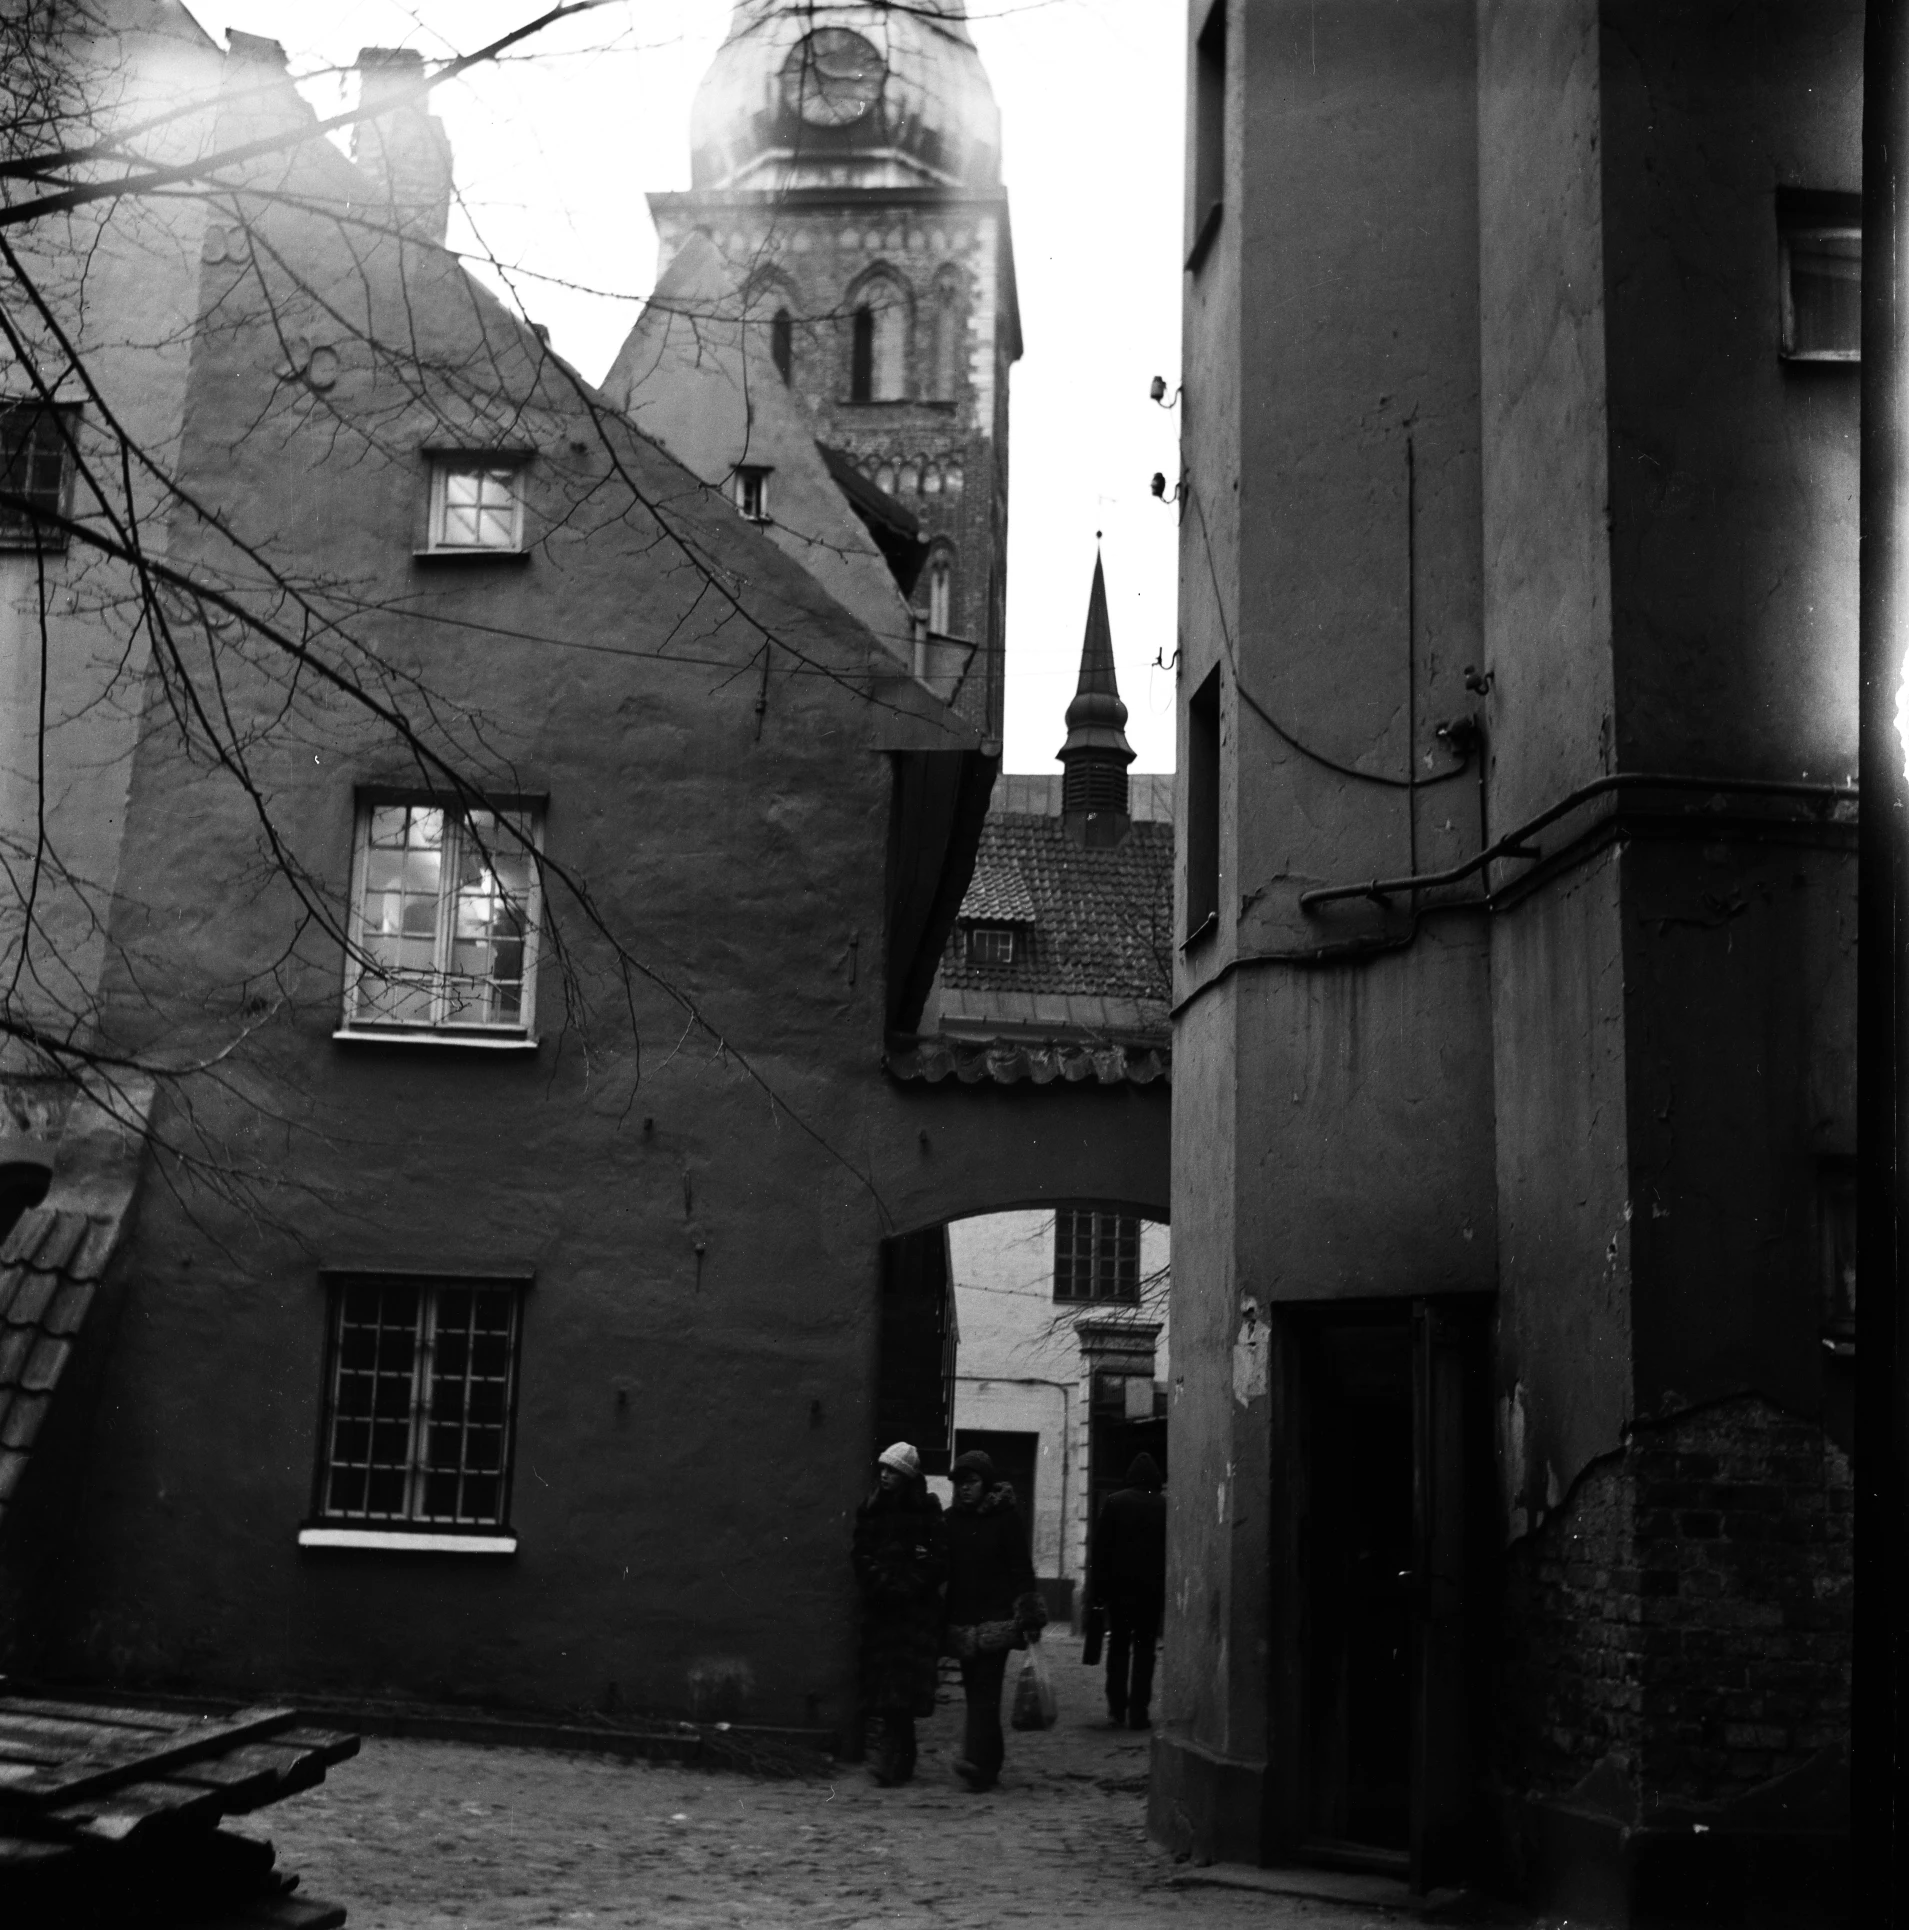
(30, 1852)
(113, 1714)
(335, 1745)
(74, 1737)
(280, 1913)
(137, 1808)
(138, 1757)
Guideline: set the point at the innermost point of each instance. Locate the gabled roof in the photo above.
(52, 1263)
(699, 379)
(1086, 993)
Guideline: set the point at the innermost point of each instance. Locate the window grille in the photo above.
(420, 1403)
(446, 925)
(33, 474)
(1096, 1256)
(477, 506)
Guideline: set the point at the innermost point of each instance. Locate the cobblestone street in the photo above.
(440, 1836)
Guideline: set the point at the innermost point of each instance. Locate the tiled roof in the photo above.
(1102, 917)
(51, 1265)
(998, 895)
(1007, 1062)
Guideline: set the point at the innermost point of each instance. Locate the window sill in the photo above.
(467, 1041)
(407, 1541)
(470, 556)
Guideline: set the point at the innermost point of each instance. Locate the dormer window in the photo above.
(991, 944)
(752, 493)
(477, 505)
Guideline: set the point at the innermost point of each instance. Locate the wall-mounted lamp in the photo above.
(1159, 488)
(1479, 682)
(1157, 389)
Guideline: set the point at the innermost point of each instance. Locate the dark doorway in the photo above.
(1395, 1553)
(1116, 1433)
(1359, 1681)
(1016, 1459)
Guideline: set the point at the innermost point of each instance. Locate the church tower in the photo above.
(846, 162)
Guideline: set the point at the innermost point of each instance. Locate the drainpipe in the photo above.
(1880, 1710)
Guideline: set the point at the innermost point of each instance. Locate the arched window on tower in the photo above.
(878, 349)
(782, 342)
(941, 592)
(945, 374)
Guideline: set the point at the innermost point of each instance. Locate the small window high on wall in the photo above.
(1208, 162)
(878, 347)
(1203, 809)
(1096, 1256)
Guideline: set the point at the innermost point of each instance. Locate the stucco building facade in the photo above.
(1514, 1022)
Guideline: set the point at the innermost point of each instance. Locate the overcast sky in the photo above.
(557, 147)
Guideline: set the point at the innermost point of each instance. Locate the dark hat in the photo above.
(1144, 1473)
(973, 1462)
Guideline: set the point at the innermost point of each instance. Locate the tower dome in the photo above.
(853, 94)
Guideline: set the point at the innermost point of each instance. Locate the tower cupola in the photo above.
(854, 94)
(1096, 754)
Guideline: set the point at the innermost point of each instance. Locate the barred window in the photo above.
(1096, 1256)
(33, 473)
(420, 1401)
(445, 927)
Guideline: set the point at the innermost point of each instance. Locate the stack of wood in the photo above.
(111, 1816)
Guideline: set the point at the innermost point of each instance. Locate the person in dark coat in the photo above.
(901, 1561)
(1130, 1583)
(992, 1606)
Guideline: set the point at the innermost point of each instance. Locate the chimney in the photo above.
(1094, 799)
(404, 153)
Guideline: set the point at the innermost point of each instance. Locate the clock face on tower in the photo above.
(832, 78)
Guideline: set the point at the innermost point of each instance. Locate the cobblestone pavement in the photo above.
(456, 1836)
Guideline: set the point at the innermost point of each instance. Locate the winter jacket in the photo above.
(990, 1575)
(1130, 1547)
(900, 1555)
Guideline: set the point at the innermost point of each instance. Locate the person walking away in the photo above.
(1130, 1584)
(992, 1606)
(900, 1554)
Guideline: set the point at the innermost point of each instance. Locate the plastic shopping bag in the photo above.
(1034, 1705)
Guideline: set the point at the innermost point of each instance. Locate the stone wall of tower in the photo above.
(940, 448)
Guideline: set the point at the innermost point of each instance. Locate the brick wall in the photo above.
(1685, 1613)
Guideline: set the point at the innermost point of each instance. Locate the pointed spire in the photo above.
(1096, 753)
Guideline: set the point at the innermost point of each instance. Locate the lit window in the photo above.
(1820, 250)
(33, 474)
(477, 507)
(991, 944)
(1096, 1256)
(445, 932)
(752, 494)
(420, 1393)
(941, 594)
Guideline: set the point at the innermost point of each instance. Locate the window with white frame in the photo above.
(444, 927)
(1096, 1256)
(752, 492)
(477, 505)
(420, 1399)
(991, 944)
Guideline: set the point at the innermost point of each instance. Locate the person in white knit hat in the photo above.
(901, 1562)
